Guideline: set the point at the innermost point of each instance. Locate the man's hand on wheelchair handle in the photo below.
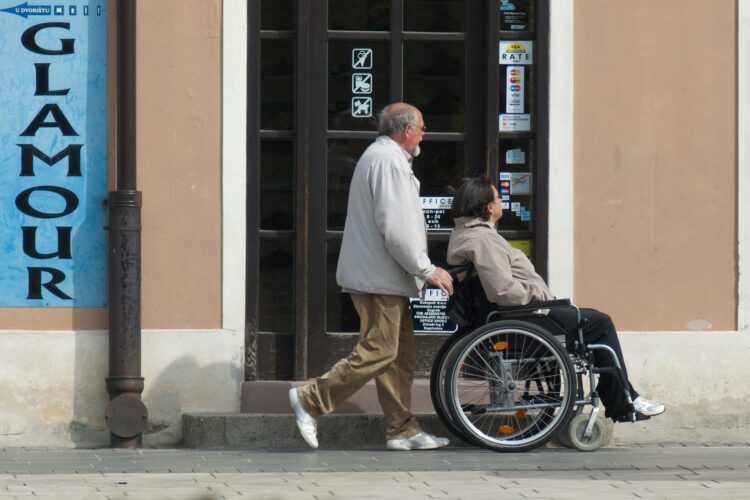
(441, 279)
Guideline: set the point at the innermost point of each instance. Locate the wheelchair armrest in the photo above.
(531, 306)
(462, 268)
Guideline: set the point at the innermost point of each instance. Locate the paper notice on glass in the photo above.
(513, 15)
(514, 84)
(516, 52)
(436, 211)
(515, 157)
(515, 123)
(520, 183)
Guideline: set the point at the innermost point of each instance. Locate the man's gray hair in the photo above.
(391, 123)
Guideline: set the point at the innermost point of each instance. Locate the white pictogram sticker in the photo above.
(361, 107)
(362, 83)
(361, 58)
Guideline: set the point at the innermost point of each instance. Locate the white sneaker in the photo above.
(422, 441)
(306, 423)
(648, 408)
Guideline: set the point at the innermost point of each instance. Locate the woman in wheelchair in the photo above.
(508, 279)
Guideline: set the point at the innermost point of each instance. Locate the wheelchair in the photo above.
(508, 382)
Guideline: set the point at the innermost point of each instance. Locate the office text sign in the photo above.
(53, 146)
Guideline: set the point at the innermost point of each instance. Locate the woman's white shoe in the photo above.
(648, 408)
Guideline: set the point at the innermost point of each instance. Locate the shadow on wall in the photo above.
(181, 386)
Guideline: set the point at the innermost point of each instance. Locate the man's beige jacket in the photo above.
(384, 250)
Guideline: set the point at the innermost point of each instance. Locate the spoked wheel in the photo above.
(437, 387)
(509, 386)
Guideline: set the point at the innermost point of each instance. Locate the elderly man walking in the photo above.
(383, 262)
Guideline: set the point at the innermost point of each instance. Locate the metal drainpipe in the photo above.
(126, 415)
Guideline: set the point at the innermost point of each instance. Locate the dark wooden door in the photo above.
(325, 71)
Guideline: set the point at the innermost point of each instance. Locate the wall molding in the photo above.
(234, 163)
(743, 166)
(561, 152)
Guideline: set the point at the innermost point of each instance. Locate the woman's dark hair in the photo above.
(472, 198)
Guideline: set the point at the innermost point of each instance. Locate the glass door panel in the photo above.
(434, 82)
(278, 15)
(340, 313)
(359, 15)
(277, 84)
(276, 185)
(440, 168)
(431, 16)
(342, 158)
(276, 291)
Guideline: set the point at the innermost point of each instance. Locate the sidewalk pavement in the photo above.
(667, 471)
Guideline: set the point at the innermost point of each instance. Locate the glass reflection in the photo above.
(340, 313)
(359, 15)
(276, 291)
(434, 15)
(343, 155)
(434, 82)
(277, 84)
(278, 15)
(438, 251)
(276, 185)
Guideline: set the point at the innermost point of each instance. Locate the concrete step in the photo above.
(266, 420)
(278, 431)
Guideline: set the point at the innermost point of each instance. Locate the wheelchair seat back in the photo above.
(468, 307)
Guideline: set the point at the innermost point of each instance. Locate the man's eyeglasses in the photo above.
(423, 127)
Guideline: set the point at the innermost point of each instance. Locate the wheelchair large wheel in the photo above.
(437, 387)
(509, 386)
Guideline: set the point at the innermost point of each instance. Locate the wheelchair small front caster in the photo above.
(577, 427)
(562, 436)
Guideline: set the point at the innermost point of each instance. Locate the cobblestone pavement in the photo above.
(674, 471)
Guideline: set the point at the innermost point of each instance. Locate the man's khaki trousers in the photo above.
(385, 351)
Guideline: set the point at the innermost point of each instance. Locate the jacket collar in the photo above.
(469, 222)
(384, 139)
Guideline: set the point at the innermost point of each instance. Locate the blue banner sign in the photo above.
(53, 153)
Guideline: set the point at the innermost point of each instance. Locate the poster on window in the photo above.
(436, 211)
(515, 123)
(429, 313)
(516, 52)
(514, 89)
(53, 144)
(513, 15)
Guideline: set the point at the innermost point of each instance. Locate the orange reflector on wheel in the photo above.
(521, 413)
(499, 346)
(505, 429)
